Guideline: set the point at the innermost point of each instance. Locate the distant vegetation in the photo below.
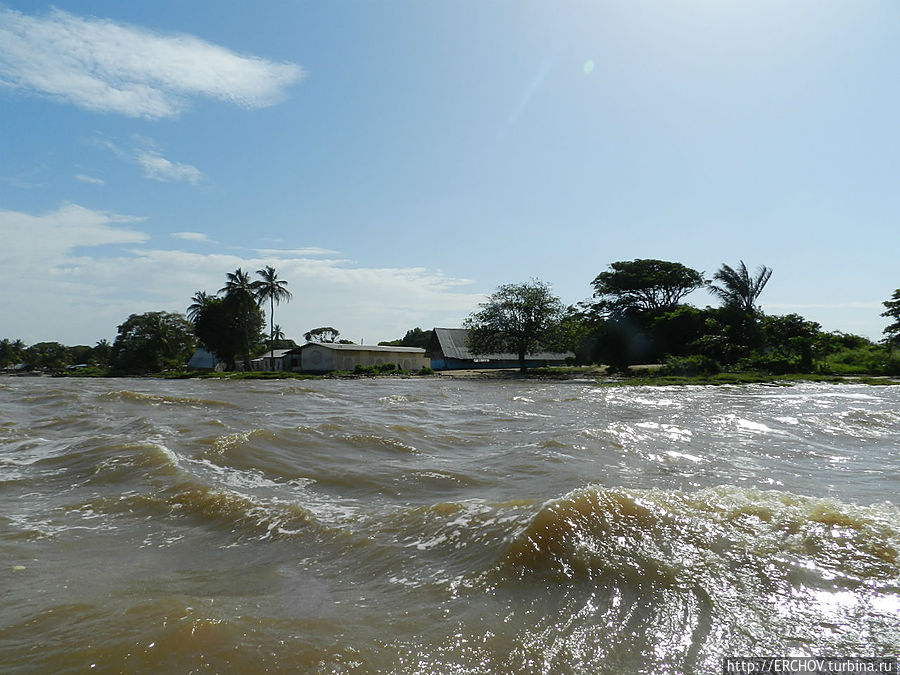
(636, 315)
(415, 337)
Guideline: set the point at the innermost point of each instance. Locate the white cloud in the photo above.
(159, 168)
(155, 166)
(60, 289)
(100, 65)
(90, 180)
(191, 236)
(296, 252)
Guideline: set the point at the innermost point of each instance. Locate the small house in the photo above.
(271, 360)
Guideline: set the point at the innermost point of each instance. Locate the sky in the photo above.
(396, 161)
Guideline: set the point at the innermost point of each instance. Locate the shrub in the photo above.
(696, 364)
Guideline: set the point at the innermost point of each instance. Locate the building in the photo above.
(203, 360)
(448, 351)
(322, 357)
(271, 360)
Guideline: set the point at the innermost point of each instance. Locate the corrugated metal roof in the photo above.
(361, 348)
(453, 345)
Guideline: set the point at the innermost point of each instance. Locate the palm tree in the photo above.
(271, 288)
(241, 293)
(738, 289)
(237, 281)
(199, 302)
(277, 333)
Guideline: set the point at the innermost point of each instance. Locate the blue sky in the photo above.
(396, 161)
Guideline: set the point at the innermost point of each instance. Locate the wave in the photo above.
(210, 507)
(160, 399)
(670, 536)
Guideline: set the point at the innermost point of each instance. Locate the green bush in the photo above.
(696, 364)
(872, 359)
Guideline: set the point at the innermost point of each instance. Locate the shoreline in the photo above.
(597, 375)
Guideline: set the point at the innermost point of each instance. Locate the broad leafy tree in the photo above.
(12, 352)
(270, 287)
(737, 289)
(635, 286)
(892, 307)
(323, 334)
(49, 355)
(229, 327)
(152, 342)
(415, 337)
(518, 318)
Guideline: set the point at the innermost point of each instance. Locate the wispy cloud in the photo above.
(297, 252)
(159, 168)
(155, 166)
(78, 294)
(105, 66)
(90, 180)
(191, 236)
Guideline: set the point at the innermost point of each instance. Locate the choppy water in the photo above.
(443, 526)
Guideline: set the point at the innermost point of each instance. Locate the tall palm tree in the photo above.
(737, 289)
(270, 287)
(199, 302)
(241, 292)
(237, 281)
(277, 333)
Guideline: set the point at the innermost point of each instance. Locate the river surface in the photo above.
(442, 526)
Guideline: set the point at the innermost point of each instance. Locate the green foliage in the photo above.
(675, 332)
(518, 318)
(790, 341)
(892, 311)
(152, 342)
(695, 364)
(270, 287)
(12, 352)
(377, 369)
(48, 356)
(87, 371)
(230, 327)
(323, 334)
(415, 337)
(737, 289)
(864, 359)
(634, 286)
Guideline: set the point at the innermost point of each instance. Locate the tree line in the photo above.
(637, 315)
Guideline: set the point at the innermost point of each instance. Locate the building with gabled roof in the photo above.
(448, 351)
